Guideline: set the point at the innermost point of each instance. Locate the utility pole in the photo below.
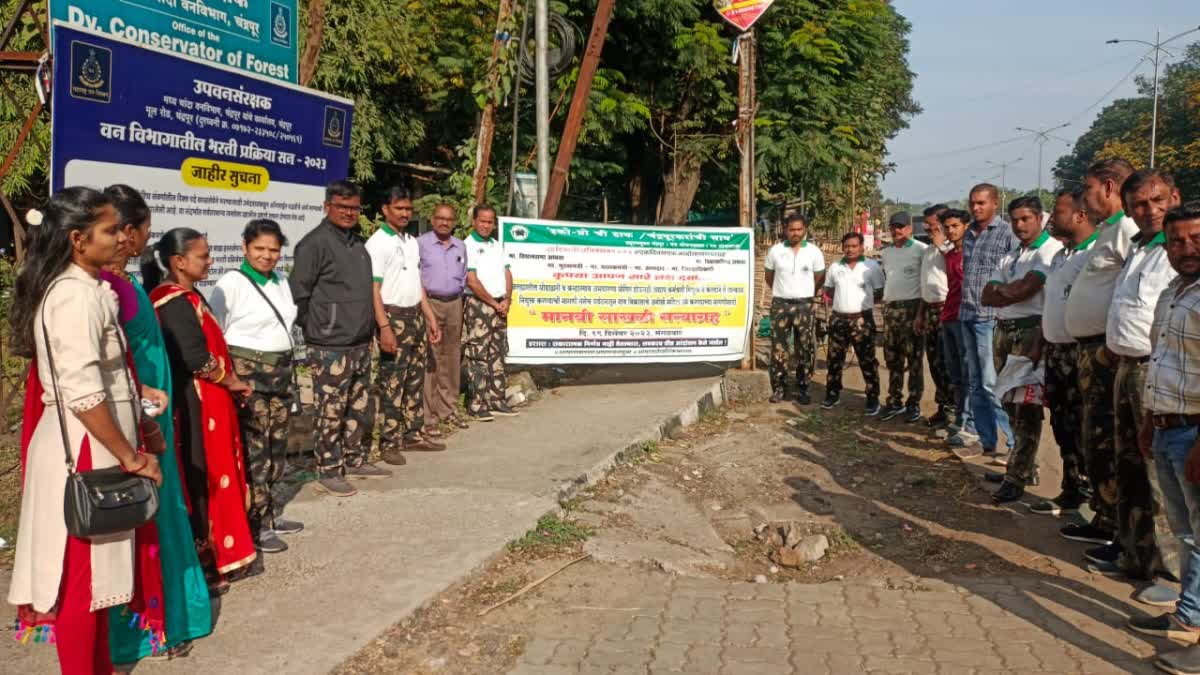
(487, 120)
(579, 101)
(541, 31)
(1157, 47)
(1043, 137)
(1004, 176)
(745, 137)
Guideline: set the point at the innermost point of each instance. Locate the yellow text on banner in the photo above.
(210, 173)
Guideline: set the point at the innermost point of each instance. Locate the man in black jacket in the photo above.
(331, 284)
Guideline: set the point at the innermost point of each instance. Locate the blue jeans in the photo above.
(981, 377)
(954, 350)
(1181, 501)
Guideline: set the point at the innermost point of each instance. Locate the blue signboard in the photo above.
(210, 148)
(257, 36)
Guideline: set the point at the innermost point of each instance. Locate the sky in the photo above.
(985, 68)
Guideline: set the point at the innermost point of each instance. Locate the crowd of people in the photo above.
(1090, 311)
(197, 393)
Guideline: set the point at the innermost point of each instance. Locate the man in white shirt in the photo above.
(1016, 290)
(935, 286)
(485, 318)
(794, 270)
(1086, 319)
(1171, 431)
(406, 326)
(855, 283)
(1071, 225)
(1147, 196)
(902, 346)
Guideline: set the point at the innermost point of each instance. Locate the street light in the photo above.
(1043, 137)
(1157, 47)
(1004, 175)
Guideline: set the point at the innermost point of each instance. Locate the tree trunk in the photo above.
(679, 189)
(312, 41)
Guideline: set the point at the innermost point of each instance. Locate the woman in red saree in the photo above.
(204, 390)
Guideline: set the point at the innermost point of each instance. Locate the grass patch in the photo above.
(551, 531)
(841, 540)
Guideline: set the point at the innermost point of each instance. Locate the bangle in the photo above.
(139, 467)
(385, 325)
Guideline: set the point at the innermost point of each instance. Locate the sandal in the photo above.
(432, 431)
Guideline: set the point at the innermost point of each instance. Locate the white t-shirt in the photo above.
(1064, 270)
(934, 284)
(1037, 258)
(902, 267)
(854, 287)
(1091, 294)
(245, 317)
(1146, 274)
(795, 270)
(395, 266)
(487, 259)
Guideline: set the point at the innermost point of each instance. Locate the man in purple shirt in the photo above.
(444, 274)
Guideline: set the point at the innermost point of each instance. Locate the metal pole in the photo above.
(1154, 121)
(1041, 146)
(541, 31)
(745, 132)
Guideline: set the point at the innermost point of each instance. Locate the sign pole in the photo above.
(745, 132)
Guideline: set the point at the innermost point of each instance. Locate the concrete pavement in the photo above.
(364, 563)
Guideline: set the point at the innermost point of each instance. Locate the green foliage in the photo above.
(551, 531)
(28, 173)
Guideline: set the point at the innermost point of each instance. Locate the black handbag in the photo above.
(101, 501)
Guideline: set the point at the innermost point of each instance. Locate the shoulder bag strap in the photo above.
(282, 323)
(58, 400)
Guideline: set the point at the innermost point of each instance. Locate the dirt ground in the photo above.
(899, 512)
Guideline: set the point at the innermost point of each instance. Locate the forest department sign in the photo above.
(742, 13)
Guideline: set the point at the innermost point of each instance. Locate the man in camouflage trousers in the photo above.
(935, 287)
(855, 284)
(1016, 289)
(485, 318)
(903, 346)
(794, 270)
(402, 313)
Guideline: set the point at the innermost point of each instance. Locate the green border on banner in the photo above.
(517, 231)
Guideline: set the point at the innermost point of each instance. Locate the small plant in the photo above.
(551, 531)
(841, 540)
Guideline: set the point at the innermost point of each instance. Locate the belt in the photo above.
(1175, 421)
(269, 358)
(1023, 322)
(1092, 340)
(402, 311)
(1136, 359)
(794, 301)
(471, 296)
(905, 303)
(935, 305)
(443, 298)
(851, 317)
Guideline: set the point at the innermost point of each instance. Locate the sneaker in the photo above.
(1061, 504)
(1008, 492)
(367, 471)
(963, 439)
(891, 412)
(335, 485)
(939, 420)
(871, 409)
(993, 476)
(255, 568)
(1157, 595)
(285, 526)
(1164, 625)
(269, 542)
(1087, 533)
(482, 416)
(830, 402)
(393, 456)
(504, 411)
(776, 396)
(1109, 553)
(423, 444)
(1107, 569)
(912, 414)
(967, 452)
(1182, 662)
(431, 431)
(802, 398)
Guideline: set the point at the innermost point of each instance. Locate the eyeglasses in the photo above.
(345, 208)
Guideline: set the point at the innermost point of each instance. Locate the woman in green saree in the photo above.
(187, 609)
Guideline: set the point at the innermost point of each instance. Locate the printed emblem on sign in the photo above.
(281, 25)
(519, 232)
(91, 72)
(335, 127)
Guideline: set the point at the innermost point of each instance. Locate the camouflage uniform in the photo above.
(265, 421)
(485, 342)
(792, 319)
(859, 333)
(402, 379)
(902, 352)
(931, 334)
(1140, 521)
(345, 410)
(1063, 399)
(1096, 382)
(1019, 338)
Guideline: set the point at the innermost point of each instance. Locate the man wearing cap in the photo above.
(794, 270)
(902, 345)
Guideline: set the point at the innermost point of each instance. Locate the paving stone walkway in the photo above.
(662, 624)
